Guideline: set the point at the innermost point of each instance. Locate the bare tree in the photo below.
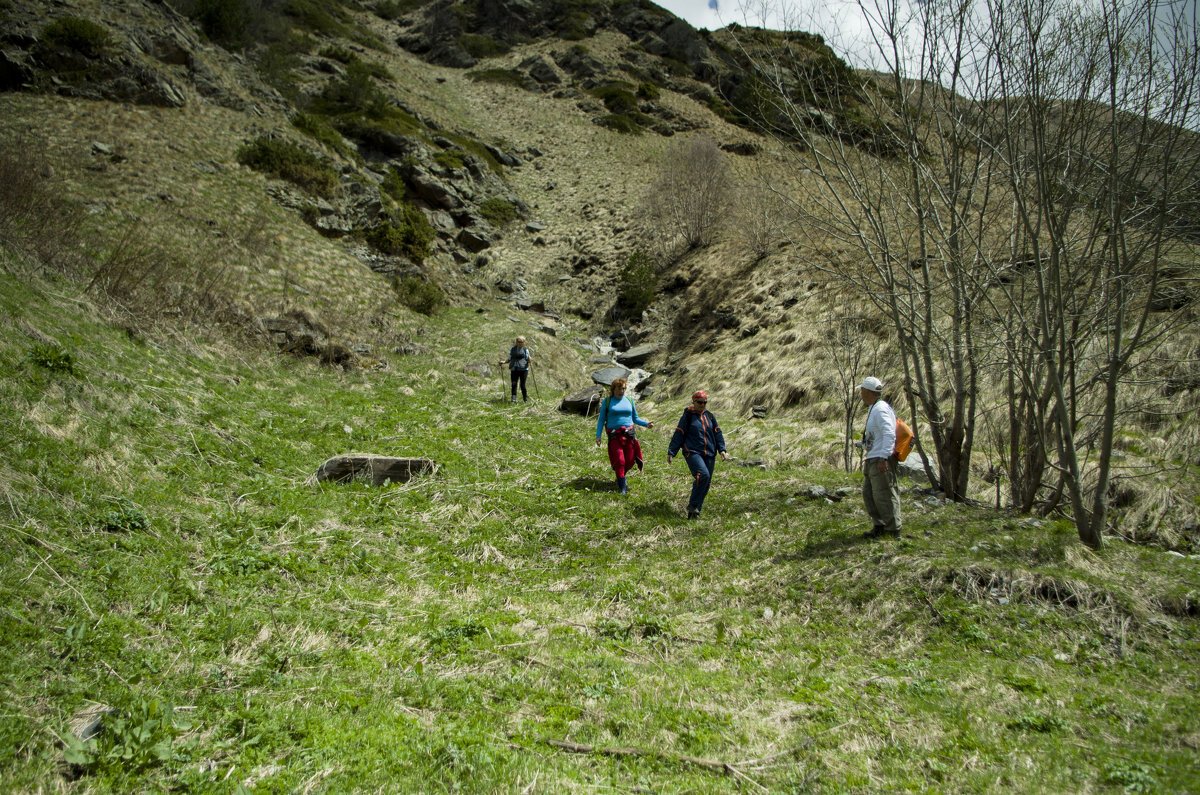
(690, 197)
(1097, 152)
(1009, 187)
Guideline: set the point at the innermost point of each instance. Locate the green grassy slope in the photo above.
(512, 624)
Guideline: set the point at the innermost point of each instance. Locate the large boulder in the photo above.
(586, 401)
(610, 374)
(638, 355)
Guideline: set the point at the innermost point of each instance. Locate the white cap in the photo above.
(871, 384)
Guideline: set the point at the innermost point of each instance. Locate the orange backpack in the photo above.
(904, 439)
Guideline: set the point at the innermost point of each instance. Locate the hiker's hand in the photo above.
(650, 424)
(723, 456)
(597, 441)
(883, 466)
(670, 458)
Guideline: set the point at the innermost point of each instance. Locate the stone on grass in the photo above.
(379, 469)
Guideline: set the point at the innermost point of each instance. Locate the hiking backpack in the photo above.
(904, 439)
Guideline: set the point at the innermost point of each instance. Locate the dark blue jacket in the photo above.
(697, 432)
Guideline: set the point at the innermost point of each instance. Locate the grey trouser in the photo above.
(881, 494)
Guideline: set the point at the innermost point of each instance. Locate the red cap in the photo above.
(701, 395)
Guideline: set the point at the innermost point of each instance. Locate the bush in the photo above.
(81, 35)
(405, 233)
(418, 295)
(321, 130)
(482, 46)
(648, 91)
(498, 211)
(449, 160)
(636, 282)
(394, 9)
(356, 92)
(509, 77)
(617, 97)
(620, 123)
(393, 185)
(287, 161)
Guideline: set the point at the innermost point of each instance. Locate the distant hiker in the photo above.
(618, 416)
(701, 440)
(518, 361)
(881, 489)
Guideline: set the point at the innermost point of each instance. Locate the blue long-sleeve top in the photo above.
(617, 414)
(697, 432)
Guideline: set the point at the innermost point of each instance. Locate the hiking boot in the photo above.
(514, 399)
(874, 532)
(693, 513)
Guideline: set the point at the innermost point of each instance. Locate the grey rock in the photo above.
(609, 374)
(637, 355)
(585, 401)
(378, 469)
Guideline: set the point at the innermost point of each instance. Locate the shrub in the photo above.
(406, 233)
(621, 123)
(510, 77)
(636, 282)
(498, 211)
(419, 295)
(394, 9)
(288, 161)
(227, 22)
(356, 92)
(450, 159)
(617, 97)
(482, 46)
(81, 35)
(648, 91)
(321, 130)
(393, 185)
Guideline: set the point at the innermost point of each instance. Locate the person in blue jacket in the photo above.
(618, 416)
(700, 438)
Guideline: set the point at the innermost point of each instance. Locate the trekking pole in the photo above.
(533, 379)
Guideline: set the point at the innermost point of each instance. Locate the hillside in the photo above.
(237, 244)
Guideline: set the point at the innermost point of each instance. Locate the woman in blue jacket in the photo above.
(700, 438)
(618, 416)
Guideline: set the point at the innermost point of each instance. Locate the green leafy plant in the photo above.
(134, 739)
(52, 358)
(125, 516)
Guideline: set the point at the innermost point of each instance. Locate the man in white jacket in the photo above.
(881, 490)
